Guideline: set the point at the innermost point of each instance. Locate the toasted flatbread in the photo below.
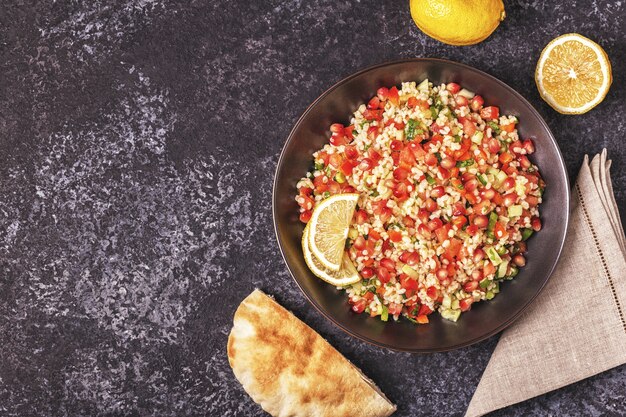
(291, 371)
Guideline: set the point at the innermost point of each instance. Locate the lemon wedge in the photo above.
(329, 226)
(573, 74)
(346, 275)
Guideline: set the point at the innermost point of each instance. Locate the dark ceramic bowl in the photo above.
(485, 318)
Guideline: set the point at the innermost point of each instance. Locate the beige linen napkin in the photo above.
(577, 326)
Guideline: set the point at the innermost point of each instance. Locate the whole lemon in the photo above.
(458, 22)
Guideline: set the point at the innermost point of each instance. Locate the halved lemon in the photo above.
(346, 275)
(329, 226)
(573, 74)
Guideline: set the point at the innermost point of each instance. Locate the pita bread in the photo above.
(290, 370)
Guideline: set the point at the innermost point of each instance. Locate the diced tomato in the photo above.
(411, 102)
(430, 159)
(470, 286)
(394, 309)
(442, 233)
(393, 96)
(453, 88)
(351, 152)
(469, 127)
(346, 168)
(338, 140)
(422, 319)
(459, 221)
(535, 223)
(382, 93)
(505, 158)
(370, 114)
(374, 103)
(408, 283)
(367, 272)
(477, 103)
(305, 216)
(394, 235)
(373, 234)
(508, 128)
(466, 303)
(453, 250)
(408, 221)
(489, 269)
(417, 149)
(388, 263)
(472, 230)
(359, 306)
(500, 231)
(435, 224)
(490, 113)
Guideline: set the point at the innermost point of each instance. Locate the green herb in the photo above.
(494, 126)
(434, 112)
(466, 163)
(485, 283)
(438, 156)
(363, 123)
(348, 243)
(318, 166)
(395, 226)
(430, 179)
(374, 193)
(410, 130)
(367, 146)
(410, 319)
(457, 138)
(326, 194)
(482, 179)
(460, 186)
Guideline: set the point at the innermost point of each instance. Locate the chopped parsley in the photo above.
(430, 179)
(466, 163)
(495, 127)
(411, 129)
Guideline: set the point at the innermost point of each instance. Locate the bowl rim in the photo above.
(514, 317)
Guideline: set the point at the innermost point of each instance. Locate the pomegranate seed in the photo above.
(524, 162)
(337, 128)
(382, 93)
(488, 194)
(519, 260)
(305, 216)
(366, 164)
(493, 145)
(508, 183)
(448, 163)
(400, 174)
(383, 275)
(529, 146)
(338, 139)
(477, 274)
(430, 205)
(521, 247)
(423, 230)
(472, 230)
(466, 303)
(389, 264)
(461, 101)
(442, 274)
(359, 243)
(477, 103)
(470, 185)
(470, 286)
(413, 259)
(479, 255)
(435, 224)
(361, 217)
(373, 103)
(396, 145)
(453, 88)
(509, 199)
(437, 192)
(481, 221)
(535, 223)
(367, 272)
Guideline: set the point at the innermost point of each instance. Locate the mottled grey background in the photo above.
(138, 141)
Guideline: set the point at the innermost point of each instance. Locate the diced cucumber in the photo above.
(423, 86)
(466, 93)
(410, 272)
(446, 302)
(501, 250)
(493, 219)
(340, 178)
(485, 283)
(455, 304)
(515, 211)
(482, 179)
(489, 295)
(514, 272)
(501, 272)
(499, 179)
(385, 314)
(526, 233)
(452, 315)
(493, 255)
(477, 137)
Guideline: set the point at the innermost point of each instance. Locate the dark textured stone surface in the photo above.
(138, 141)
